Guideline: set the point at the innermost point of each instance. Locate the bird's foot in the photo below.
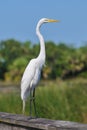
(36, 117)
(30, 117)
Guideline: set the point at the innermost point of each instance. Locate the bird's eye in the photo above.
(46, 21)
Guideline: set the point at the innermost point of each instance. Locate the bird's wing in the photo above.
(28, 75)
(36, 77)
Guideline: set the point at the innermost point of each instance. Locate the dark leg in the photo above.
(30, 103)
(34, 102)
(30, 117)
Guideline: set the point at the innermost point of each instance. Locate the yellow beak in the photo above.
(52, 20)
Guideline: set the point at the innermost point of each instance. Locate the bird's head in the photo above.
(46, 20)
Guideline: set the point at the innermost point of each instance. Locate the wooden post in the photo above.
(10, 121)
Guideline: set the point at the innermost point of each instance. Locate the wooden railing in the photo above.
(10, 121)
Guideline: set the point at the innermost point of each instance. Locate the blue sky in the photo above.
(18, 19)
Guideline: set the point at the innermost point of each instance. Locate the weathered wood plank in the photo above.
(10, 121)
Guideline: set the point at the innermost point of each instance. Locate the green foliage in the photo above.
(2, 68)
(62, 60)
(16, 69)
(10, 50)
(63, 102)
(58, 100)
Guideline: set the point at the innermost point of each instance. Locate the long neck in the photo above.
(42, 45)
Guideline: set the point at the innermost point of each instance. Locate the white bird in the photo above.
(32, 72)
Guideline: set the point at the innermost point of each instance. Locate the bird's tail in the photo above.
(23, 106)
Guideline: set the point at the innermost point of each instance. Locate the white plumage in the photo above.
(30, 77)
(32, 72)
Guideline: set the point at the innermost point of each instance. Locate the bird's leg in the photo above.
(30, 103)
(34, 102)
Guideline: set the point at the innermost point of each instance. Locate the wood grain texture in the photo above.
(10, 121)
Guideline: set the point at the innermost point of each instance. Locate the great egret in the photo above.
(32, 72)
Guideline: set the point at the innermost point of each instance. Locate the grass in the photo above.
(60, 100)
